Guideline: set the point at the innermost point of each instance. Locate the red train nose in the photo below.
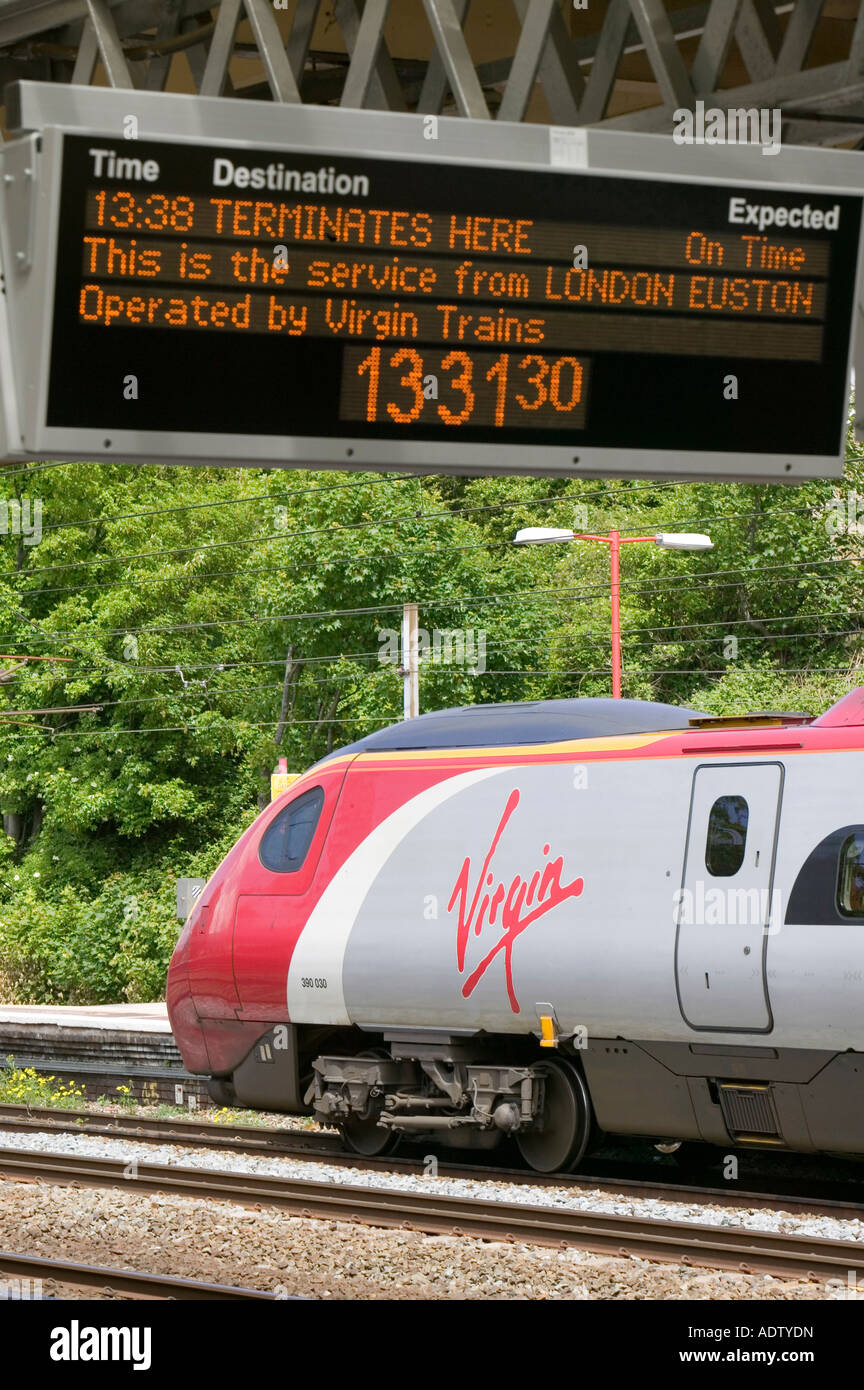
(182, 1015)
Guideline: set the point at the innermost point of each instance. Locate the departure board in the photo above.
(252, 292)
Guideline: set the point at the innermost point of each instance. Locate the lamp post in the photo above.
(548, 535)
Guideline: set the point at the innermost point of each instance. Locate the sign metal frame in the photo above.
(29, 216)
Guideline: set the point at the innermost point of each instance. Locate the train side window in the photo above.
(727, 836)
(286, 841)
(850, 880)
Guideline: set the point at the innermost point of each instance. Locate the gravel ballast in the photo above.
(225, 1243)
(486, 1189)
(269, 1249)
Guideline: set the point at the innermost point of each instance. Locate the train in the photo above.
(548, 923)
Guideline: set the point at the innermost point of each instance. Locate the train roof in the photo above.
(562, 721)
(530, 721)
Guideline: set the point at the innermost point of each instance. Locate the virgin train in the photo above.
(548, 921)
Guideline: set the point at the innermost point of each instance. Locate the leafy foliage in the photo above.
(216, 620)
(26, 1086)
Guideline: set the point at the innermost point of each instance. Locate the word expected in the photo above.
(476, 388)
(765, 215)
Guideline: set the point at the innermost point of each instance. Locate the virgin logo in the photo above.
(509, 908)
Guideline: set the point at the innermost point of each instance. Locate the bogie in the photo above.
(456, 1099)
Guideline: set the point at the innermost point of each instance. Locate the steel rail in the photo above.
(611, 1176)
(252, 1138)
(128, 1281)
(687, 1243)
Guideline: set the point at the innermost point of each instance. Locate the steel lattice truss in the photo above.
(135, 43)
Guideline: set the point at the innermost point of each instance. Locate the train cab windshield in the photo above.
(286, 841)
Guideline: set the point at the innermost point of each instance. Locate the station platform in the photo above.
(102, 1046)
(143, 1018)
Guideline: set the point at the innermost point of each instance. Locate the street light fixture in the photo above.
(683, 540)
(667, 540)
(542, 535)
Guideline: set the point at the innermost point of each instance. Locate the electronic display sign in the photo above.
(305, 306)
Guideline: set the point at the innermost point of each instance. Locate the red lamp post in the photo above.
(544, 535)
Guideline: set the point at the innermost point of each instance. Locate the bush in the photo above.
(99, 948)
(25, 1086)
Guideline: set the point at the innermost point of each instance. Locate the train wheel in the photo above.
(566, 1121)
(362, 1134)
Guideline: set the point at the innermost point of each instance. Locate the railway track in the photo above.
(734, 1248)
(122, 1281)
(608, 1176)
(242, 1138)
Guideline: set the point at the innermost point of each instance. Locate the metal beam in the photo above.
(26, 18)
(159, 66)
(196, 56)
(560, 77)
(384, 91)
(367, 45)
(773, 36)
(435, 87)
(856, 48)
(110, 48)
(758, 36)
(269, 40)
(535, 16)
(821, 130)
(663, 55)
(221, 47)
(450, 42)
(826, 87)
(714, 45)
(799, 35)
(606, 59)
(88, 57)
(300, 38)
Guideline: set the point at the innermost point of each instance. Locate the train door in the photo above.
(724, 906)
